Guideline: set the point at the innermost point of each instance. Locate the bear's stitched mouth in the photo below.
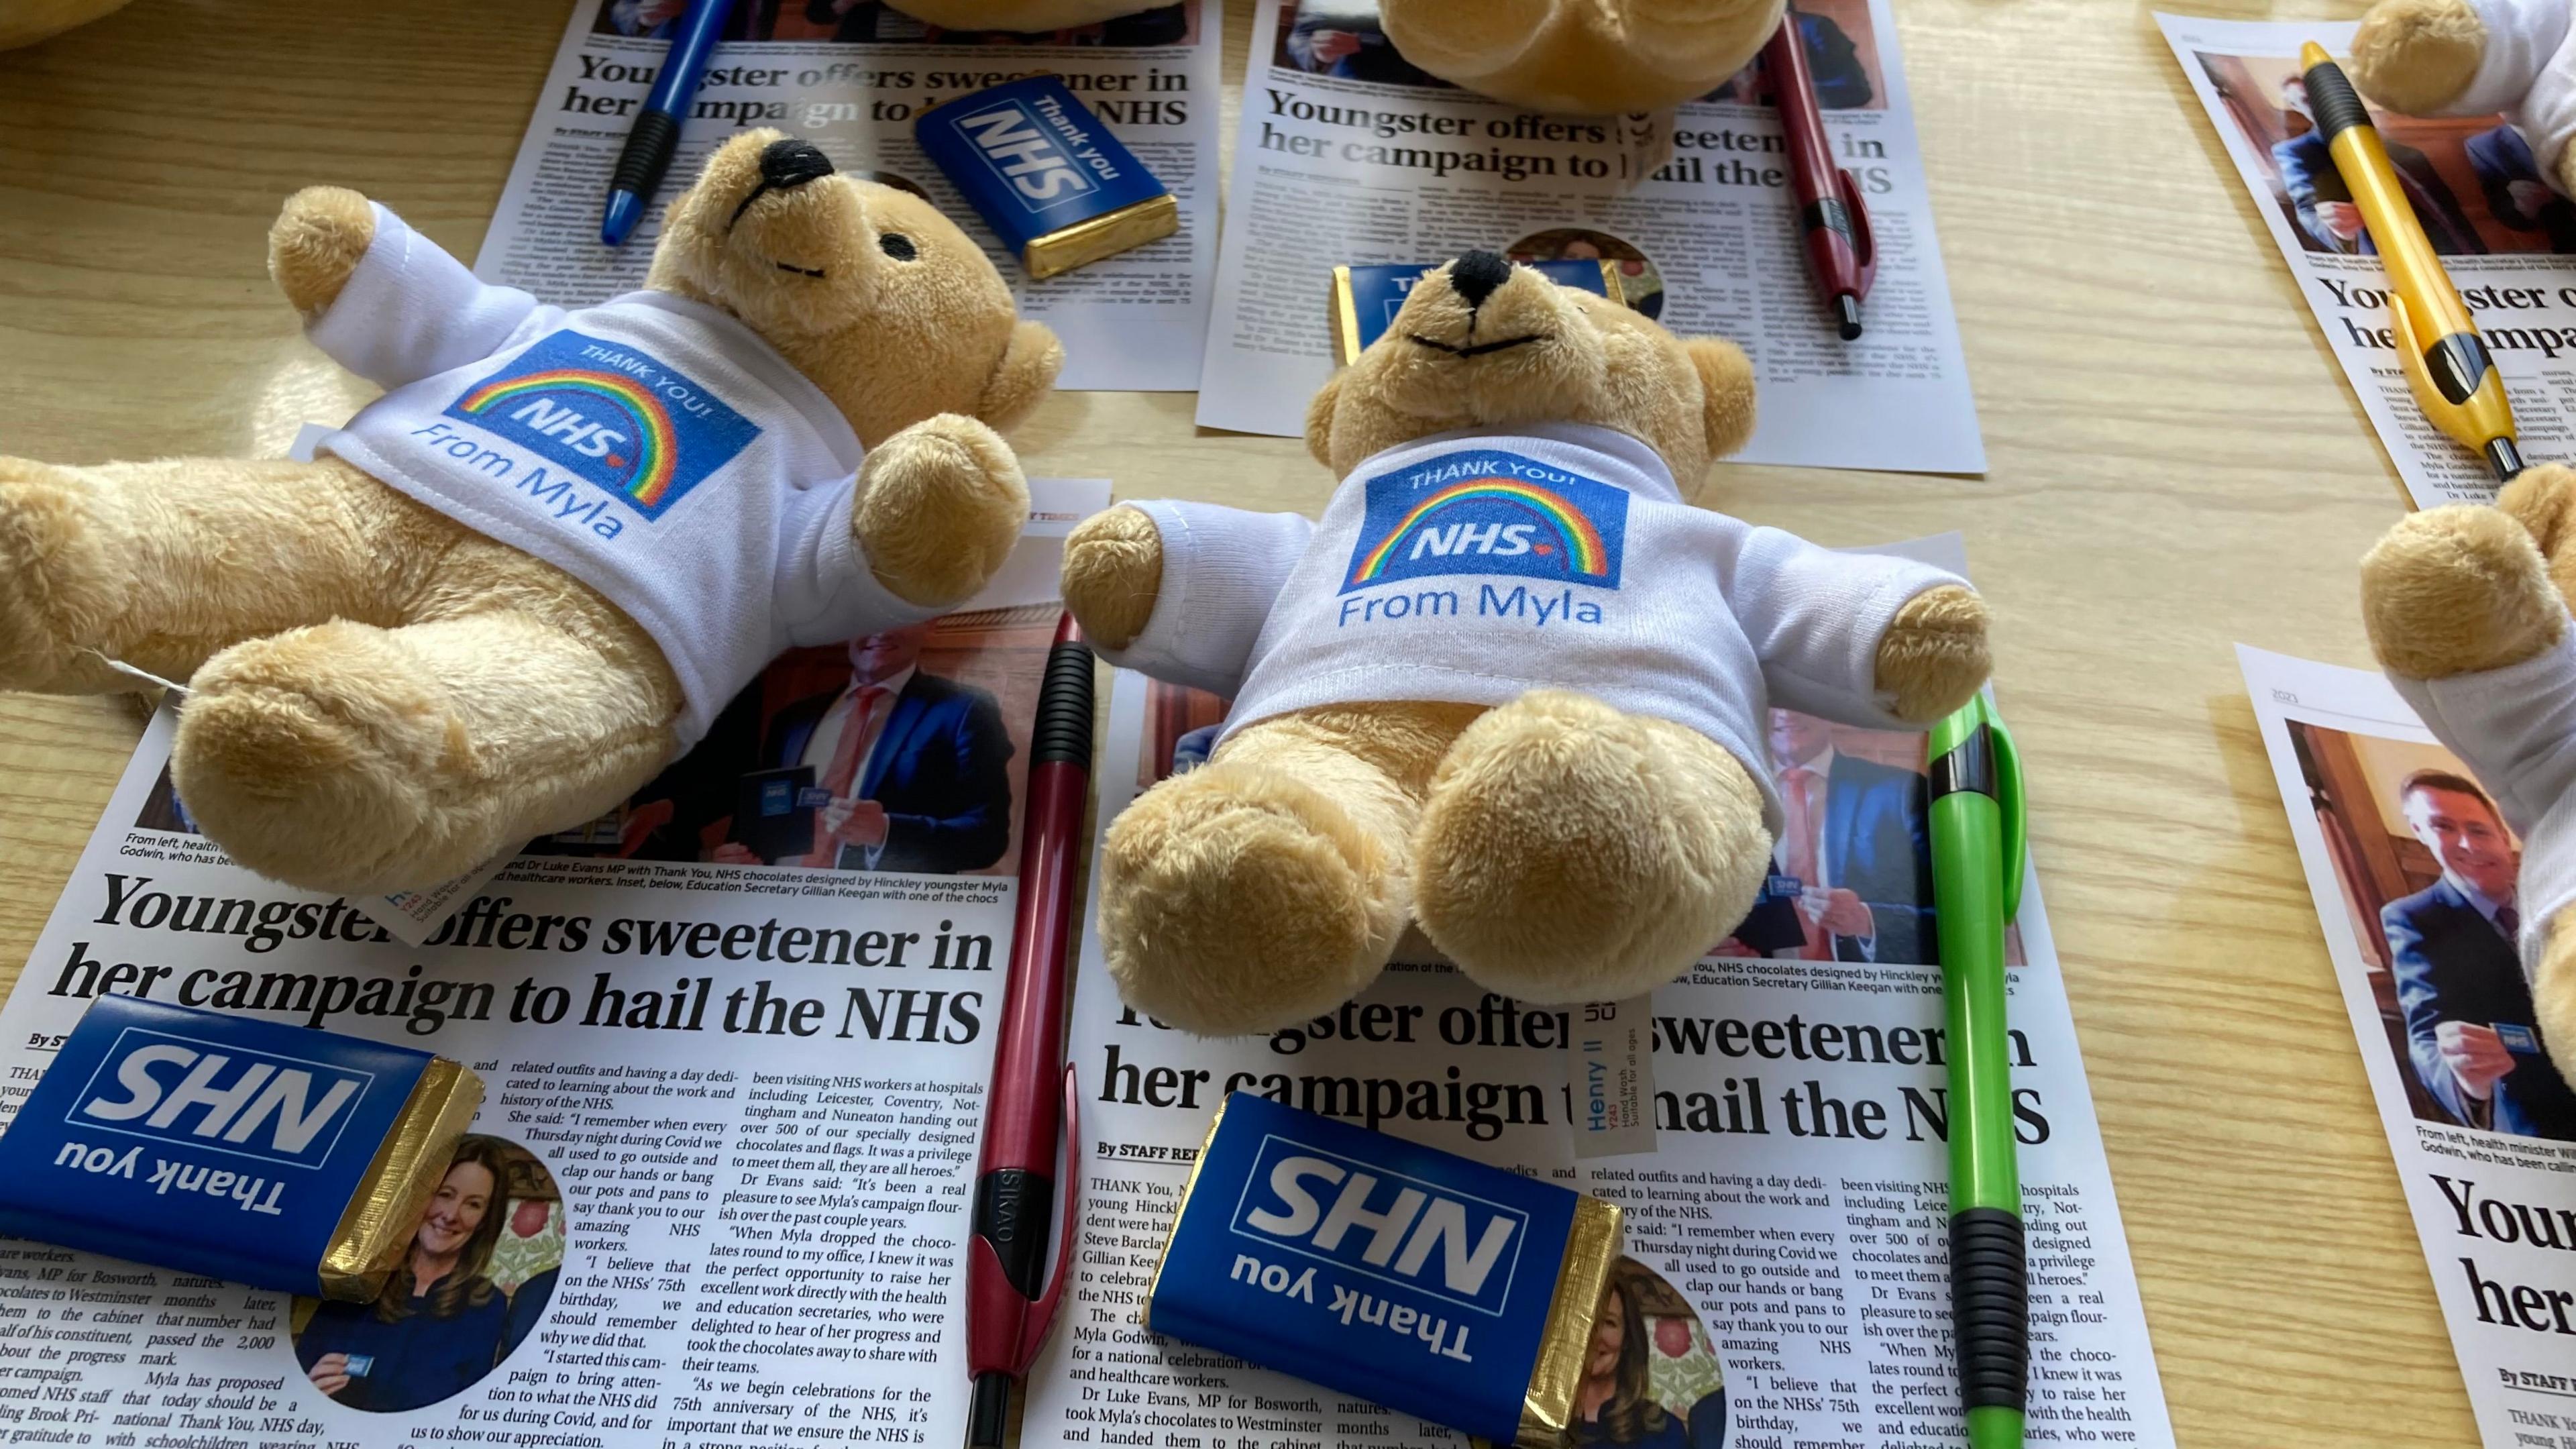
(1481, 348)
(800, 271)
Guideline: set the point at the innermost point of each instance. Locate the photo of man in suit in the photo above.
(2458, 974)
(913, 767)
(1854, 836)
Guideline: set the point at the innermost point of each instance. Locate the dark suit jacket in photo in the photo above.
(1878, 845)
(2452, 964)
(939, 769)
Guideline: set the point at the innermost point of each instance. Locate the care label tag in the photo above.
(1610, 1068)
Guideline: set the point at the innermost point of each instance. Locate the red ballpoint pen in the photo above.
(1007, 1312)
(1832, 219)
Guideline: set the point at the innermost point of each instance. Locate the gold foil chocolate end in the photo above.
(376, 1229)
(1145, 1318)
(1346, 319)
(1106, 235)
(1610, 284)
(1591, 1247)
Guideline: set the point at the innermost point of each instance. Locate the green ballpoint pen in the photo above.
(1979, 844)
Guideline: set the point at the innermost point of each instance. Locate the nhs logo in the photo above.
(219, 1097)
(1015, 142)
(1399, 1229)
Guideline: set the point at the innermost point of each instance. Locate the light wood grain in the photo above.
(2175, 465)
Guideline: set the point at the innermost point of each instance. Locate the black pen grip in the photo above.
(1990, 1307)
(1063, 731)
(648, 152)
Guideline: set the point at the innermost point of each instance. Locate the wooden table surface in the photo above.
(2175, 465)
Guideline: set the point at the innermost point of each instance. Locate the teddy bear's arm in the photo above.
(1220, 571)
(1825, 625)
(411, 310)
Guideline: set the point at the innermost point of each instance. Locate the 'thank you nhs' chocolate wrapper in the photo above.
(1415, 1278)
(278, 1156)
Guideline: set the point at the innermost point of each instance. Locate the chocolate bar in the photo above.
(1046, 175)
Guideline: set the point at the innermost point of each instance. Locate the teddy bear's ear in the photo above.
(1021, 379)
(1726, 392)
(1319, 420)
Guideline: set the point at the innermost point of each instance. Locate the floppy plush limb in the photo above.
(939, 505)
(2553, 993)
(1113, 571)
(1584, 56)
(1935, 654)
(2417, 56)
(1181, 590)
(1269, 885)
(2462, 589)
(316, 243)
(1570, 852)
(356, 758)
(160, 564)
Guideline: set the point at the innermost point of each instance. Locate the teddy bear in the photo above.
(1512, 688)
(1582, 57)
(514, 587)
(24, 22)
(2466, 608)
(2475, 58)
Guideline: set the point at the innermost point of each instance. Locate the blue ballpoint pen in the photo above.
(657, 126)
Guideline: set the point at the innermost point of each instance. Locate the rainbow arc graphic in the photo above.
(1584, 550)
(657, 450)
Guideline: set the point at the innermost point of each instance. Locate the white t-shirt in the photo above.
(1476, 566)
(653, 447)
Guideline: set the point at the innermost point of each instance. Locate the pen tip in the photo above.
(988, 1411)
(1847, 313)
(625, 209)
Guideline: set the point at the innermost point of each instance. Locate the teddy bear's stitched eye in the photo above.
(898, 246)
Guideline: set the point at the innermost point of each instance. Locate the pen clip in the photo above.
(2010, 804)
(2410, 359)
(1040, 1318)
(1864, 241)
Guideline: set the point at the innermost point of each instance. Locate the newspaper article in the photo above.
(1348, 155)
(2508, 241)
(1798, 1196)
(734, 1037)
(2401, 846)
(850, 76)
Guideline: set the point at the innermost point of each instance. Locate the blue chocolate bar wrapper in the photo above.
(1423, 1281)
(1033, 160)
(277, 1156)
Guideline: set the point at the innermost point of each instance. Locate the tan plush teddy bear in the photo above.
(517, 585)
(2467, 611)
(2475, 58)
(1512, 687)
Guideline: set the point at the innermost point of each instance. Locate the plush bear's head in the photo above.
(895, 313)
(1481, 343)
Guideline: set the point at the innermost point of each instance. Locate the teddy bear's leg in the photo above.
(160, 564)
(2553, 992)
(1934, 654)
(1269, 885)
(1581, 55)
(353, 758)
(1570, 852)
(2417, 56)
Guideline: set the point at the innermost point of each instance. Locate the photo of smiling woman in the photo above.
(443, 1320)
(1651, 1378)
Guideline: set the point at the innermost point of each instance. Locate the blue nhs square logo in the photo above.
(215, 1096)
(1020, 148)
(1403, 1230)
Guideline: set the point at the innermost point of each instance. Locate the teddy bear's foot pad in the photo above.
(1238, 899)
(2457, 590)
(1570, 852)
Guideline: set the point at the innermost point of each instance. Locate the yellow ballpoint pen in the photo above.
(2446, 361)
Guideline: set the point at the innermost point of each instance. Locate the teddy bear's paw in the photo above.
(1237, 899)
(2542, 498)
(1569, 852)
(59, 587)
(2553, 992)
(940, 504)
(1445, 35)
(2417, 56)
(2457, 590)
(1113, 572)
(324, 757)
(1935, 654)
(316, 243)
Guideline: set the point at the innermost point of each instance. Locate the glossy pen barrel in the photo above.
(2446, 360)
(1833, 222)
(1972, 853)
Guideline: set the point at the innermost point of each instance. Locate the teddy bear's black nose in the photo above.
(790, 162)
(1475, 275)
